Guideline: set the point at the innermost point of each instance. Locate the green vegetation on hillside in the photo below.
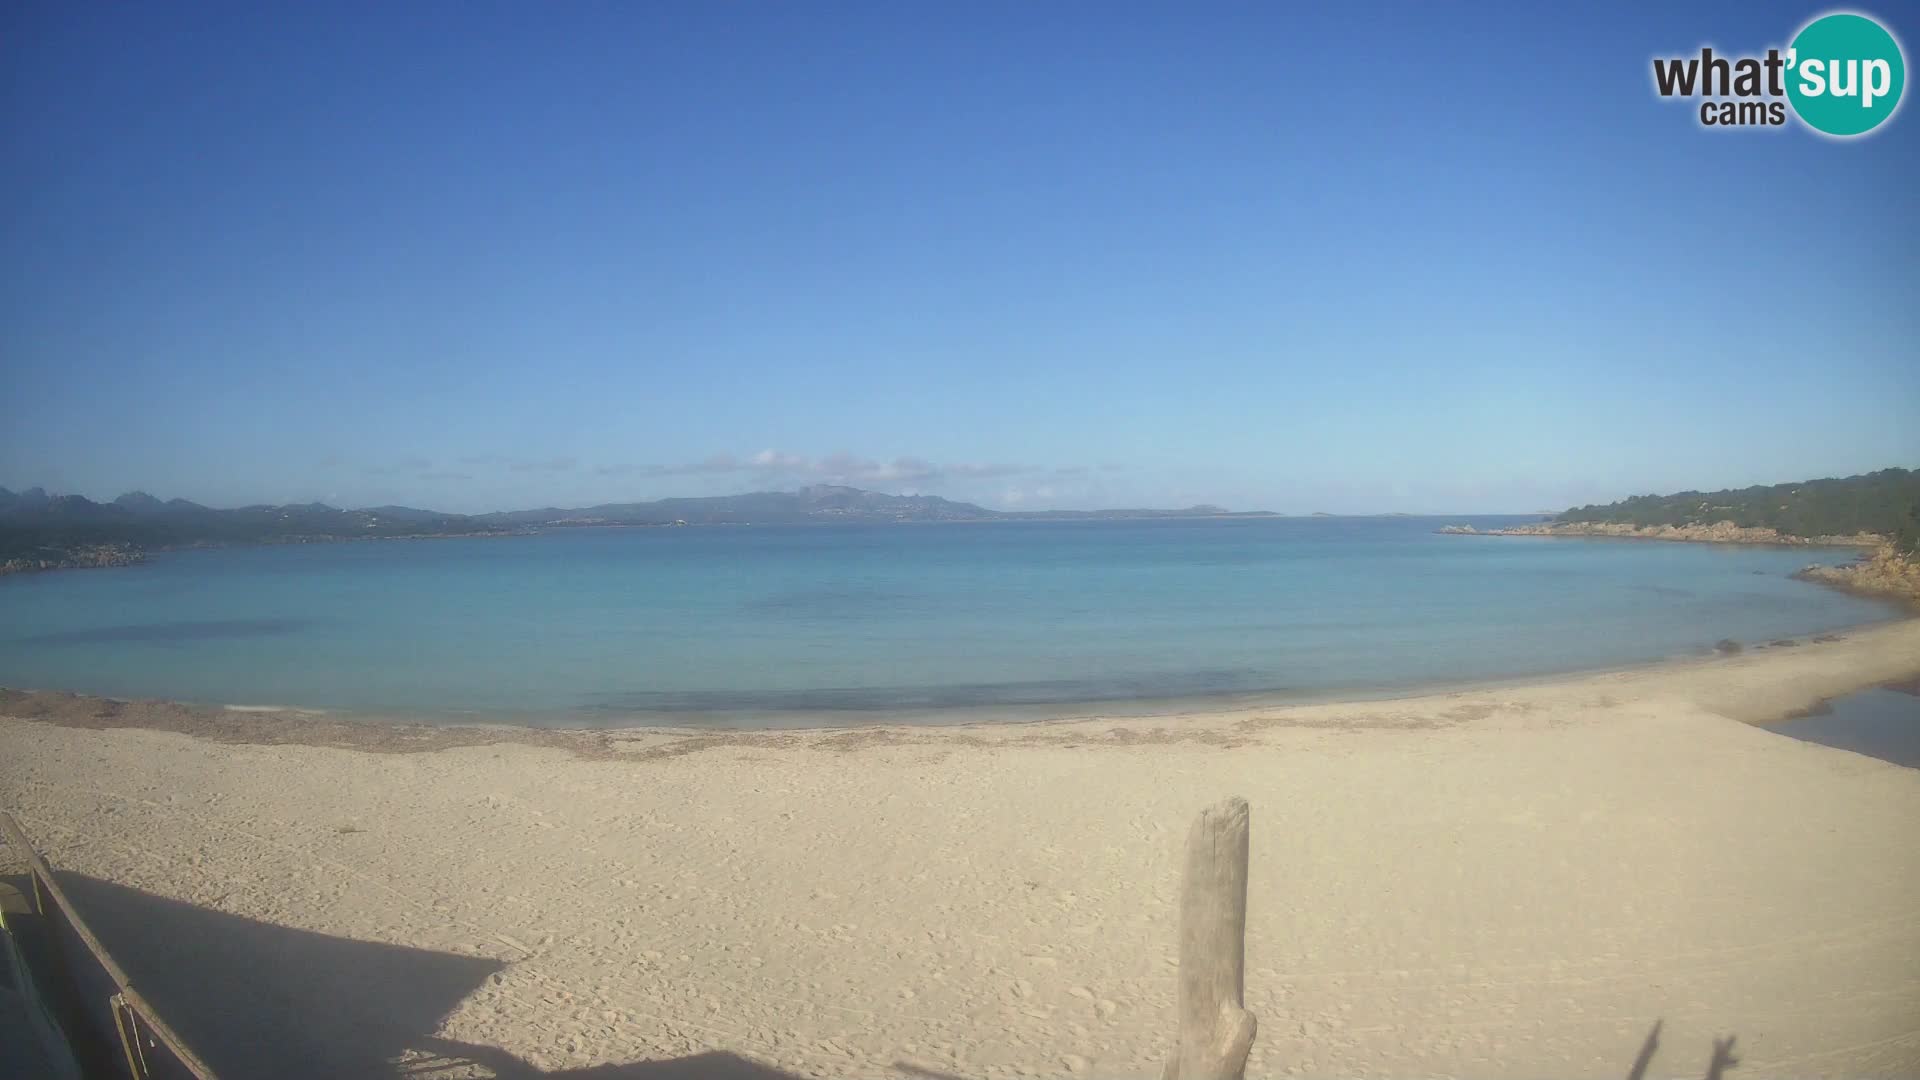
(36, 527)
(38, 530)
(1885, 502)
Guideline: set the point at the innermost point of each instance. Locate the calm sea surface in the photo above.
(1880, 722)
(765, 624)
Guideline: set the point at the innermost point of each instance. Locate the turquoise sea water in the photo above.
(853, 623)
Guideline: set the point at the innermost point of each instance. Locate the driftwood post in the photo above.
(1216, 1030)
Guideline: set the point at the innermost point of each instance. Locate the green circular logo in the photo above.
(1845, 74)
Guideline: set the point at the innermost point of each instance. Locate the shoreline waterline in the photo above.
(834, 627)
(1032, 713)
(1767, 684)
(1005, 893)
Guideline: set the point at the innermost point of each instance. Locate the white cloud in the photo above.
(773, 467)
(777, 461)
(841, 467)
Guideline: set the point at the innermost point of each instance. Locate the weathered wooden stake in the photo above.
(1216, 1030)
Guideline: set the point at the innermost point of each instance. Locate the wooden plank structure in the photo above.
(96, 1003)
(116, 1034)
(1216, 1030)
(31, 1042)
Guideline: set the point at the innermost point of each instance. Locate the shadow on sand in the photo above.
(255, 999)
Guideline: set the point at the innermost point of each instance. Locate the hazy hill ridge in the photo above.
(820, 502)
(43, 531)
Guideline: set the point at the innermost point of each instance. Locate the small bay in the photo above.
(858, 623)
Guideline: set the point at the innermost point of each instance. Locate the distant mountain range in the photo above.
(38, 530)
(810, 505)
(42, 531)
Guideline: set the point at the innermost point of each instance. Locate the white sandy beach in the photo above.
(1514, 882)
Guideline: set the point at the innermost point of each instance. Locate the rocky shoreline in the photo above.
(94, 555)
(1882, 573)
(98, 555)
(1885, 573)
(1723, 532)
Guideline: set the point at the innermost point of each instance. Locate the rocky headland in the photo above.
(1884, 573)
(92, 555)
(1881, 572)
(1721, 532)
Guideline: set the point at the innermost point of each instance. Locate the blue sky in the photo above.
(474, 256)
